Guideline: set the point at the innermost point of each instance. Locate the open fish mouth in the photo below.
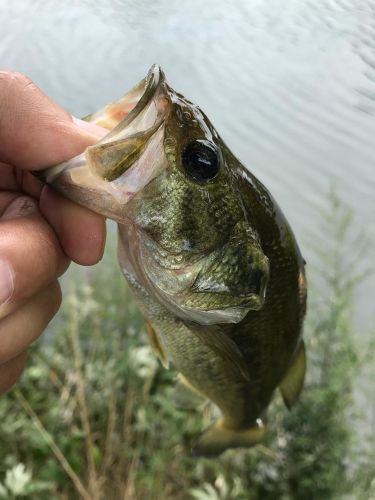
(111, 172)
(148, 123)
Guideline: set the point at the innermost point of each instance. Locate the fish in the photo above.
(208, 255)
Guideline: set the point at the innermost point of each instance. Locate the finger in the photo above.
(11, 371)
(31, 256)
(34, 131)
(6, 198)
(8, 180)
(20, 329)
(28, 183)
(80, 231)
(15, 179)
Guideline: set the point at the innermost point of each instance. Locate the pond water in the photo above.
(290, 86)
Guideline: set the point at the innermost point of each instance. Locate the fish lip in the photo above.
(155, 76)
(93, 191)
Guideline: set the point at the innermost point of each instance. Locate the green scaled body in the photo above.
(209, 256)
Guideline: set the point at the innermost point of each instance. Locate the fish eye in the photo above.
(200, 160)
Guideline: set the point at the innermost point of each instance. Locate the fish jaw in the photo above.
(111, 172)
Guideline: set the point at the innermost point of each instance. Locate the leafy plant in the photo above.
(93, 416)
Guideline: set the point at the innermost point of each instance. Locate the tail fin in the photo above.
(219, 438)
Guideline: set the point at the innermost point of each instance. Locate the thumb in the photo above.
(35, 132)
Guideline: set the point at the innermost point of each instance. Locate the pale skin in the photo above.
(40, 232)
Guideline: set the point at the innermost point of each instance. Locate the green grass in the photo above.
(93, 416)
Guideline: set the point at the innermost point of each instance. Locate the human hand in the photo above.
(40, 232)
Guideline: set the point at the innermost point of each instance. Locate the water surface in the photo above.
(290, 86)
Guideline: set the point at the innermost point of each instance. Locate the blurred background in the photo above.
(290, 87)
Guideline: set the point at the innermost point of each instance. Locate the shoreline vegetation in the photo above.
(93, 415)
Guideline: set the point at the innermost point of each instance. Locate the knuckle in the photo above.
(31, 248)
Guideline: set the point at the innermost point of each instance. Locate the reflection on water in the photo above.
(289, 85)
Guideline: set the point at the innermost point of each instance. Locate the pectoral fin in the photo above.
(219, 438)
(156, 345)
(292, 383)
(186, 396)
(225, 347)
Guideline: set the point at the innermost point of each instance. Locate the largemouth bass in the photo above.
(208, 254)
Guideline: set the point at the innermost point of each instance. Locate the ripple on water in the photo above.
(290, 86)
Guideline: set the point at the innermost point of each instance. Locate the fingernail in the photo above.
(90, 127)
(6, 281)
(20, 207)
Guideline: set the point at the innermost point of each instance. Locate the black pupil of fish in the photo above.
(200, 160)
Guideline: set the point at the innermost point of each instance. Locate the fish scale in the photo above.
(207, 252)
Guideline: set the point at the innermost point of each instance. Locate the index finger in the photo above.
(35, 132)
